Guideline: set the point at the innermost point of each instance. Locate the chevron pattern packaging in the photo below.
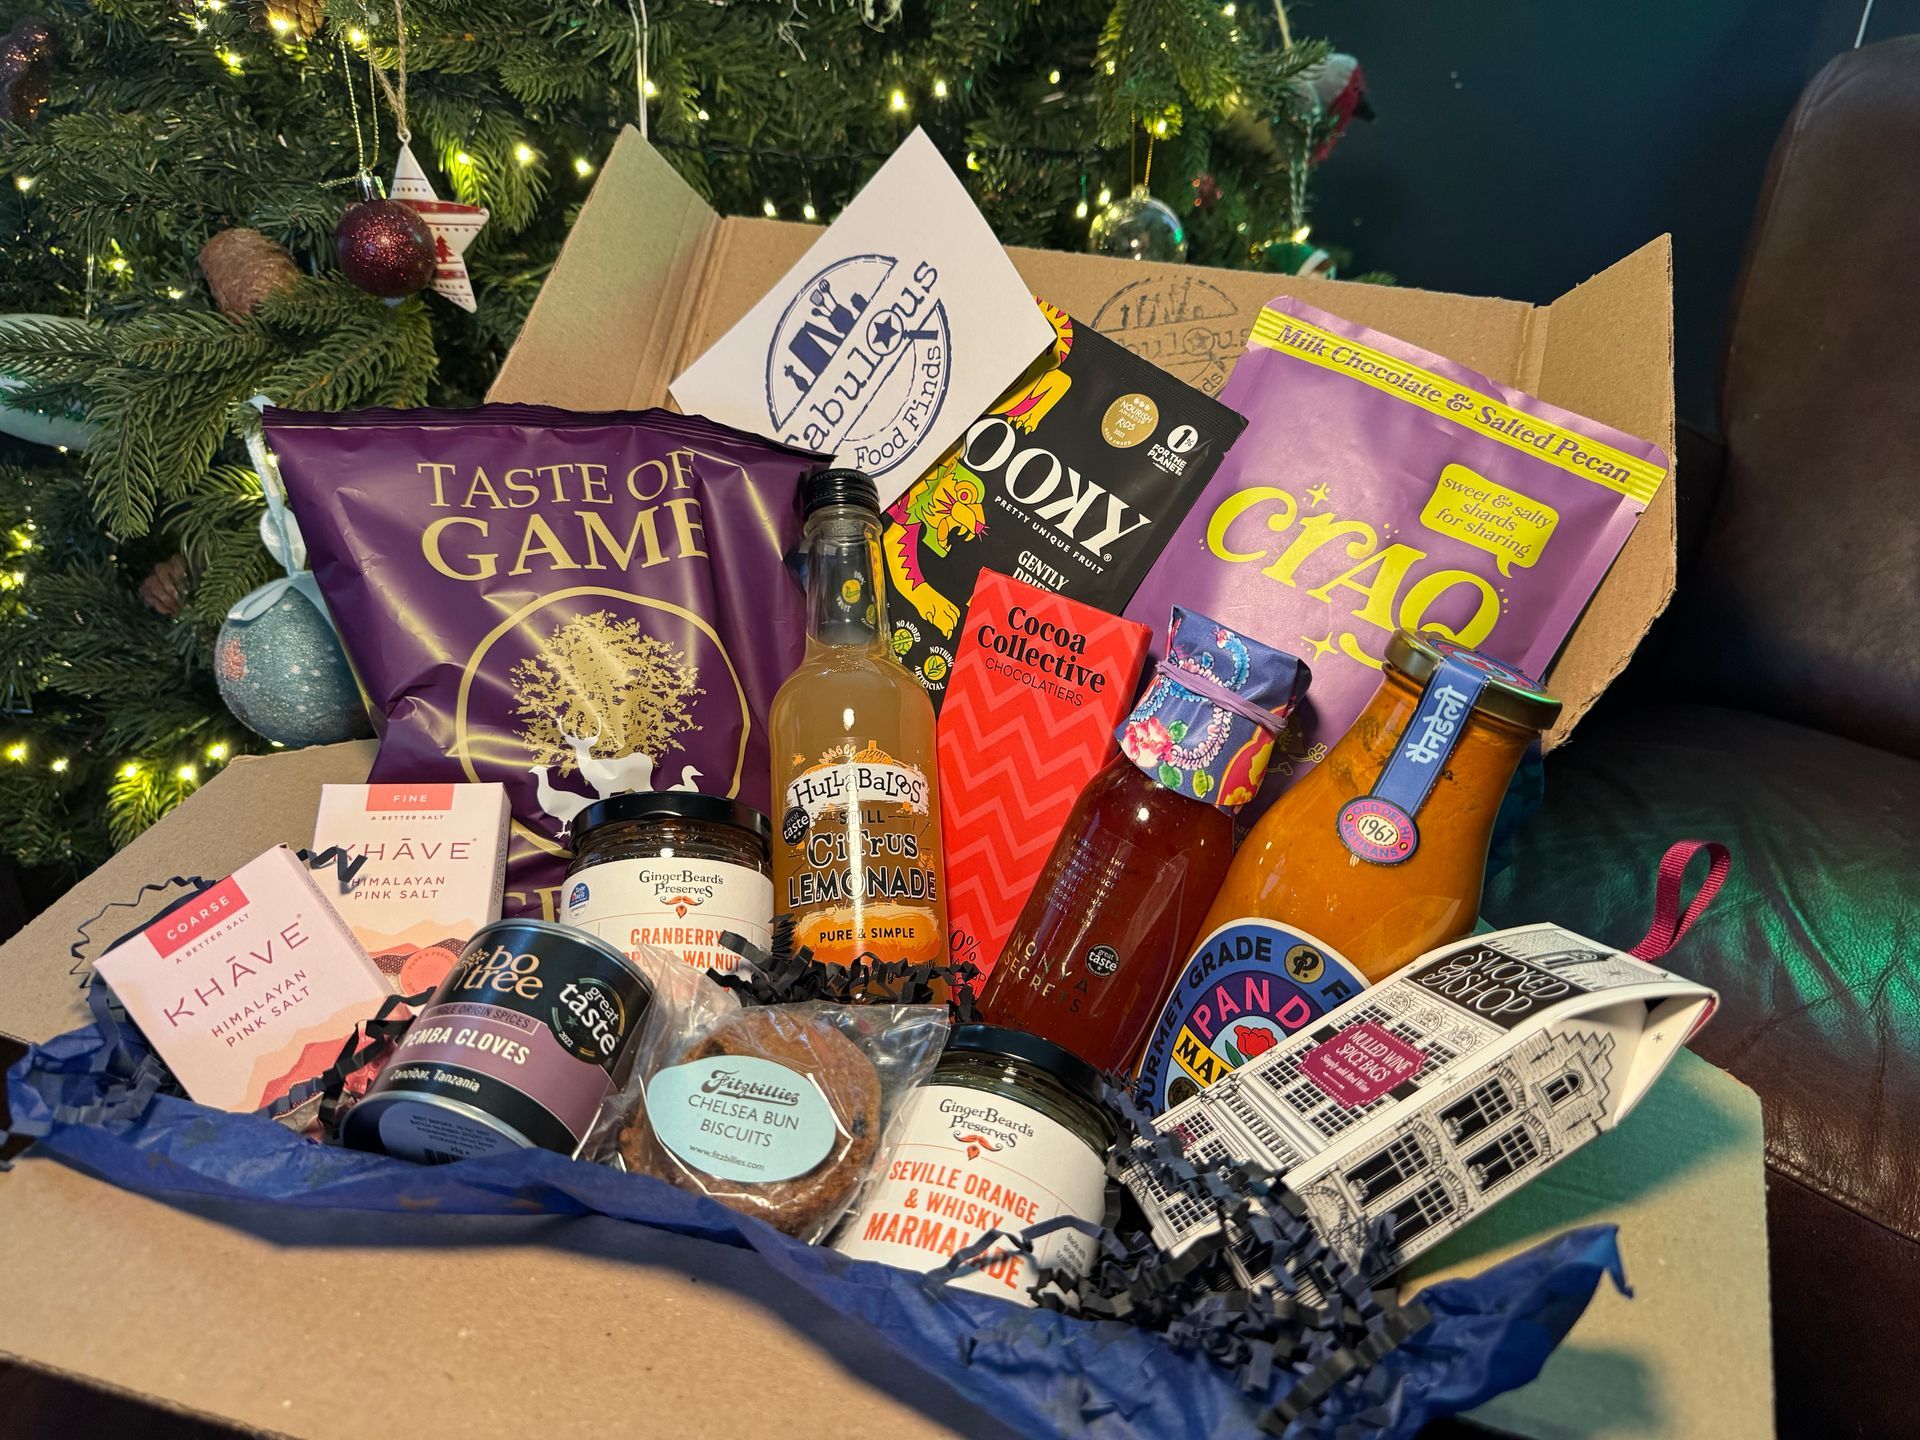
(1040, 683)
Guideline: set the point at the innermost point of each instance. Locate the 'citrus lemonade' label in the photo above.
(857, 858)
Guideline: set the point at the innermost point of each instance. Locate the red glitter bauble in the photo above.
(385, 248)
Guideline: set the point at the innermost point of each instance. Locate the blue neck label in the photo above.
(1379, 827)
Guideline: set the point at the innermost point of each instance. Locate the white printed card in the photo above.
(901, 326)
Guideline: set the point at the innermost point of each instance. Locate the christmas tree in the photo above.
(173, 173)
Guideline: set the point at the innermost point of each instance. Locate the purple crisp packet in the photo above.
(1379, 486)
(574, 604)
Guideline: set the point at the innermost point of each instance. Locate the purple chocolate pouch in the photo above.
(1378, 485)
(574, 604)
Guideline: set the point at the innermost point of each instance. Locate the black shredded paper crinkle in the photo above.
(1324, 1325)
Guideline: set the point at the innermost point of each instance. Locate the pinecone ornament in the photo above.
(291, 19)
(164, 591)
(243, 267)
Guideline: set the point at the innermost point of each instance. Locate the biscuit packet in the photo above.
(777, 1111)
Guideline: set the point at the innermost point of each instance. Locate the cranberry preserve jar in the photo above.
(675, 869)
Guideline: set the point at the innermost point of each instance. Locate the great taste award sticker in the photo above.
(894, 332)
(741, 1118)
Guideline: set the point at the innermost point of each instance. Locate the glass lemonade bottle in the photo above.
(856, 861)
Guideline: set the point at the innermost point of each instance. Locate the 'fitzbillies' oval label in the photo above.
(1249, 985)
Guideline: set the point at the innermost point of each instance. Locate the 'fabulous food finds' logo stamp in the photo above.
(898, 327)
(860, 359)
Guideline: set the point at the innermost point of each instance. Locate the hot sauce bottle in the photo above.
(1120, 899)
(856, 854)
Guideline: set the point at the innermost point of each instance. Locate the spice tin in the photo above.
(1008, 1131)
(520, 1043)
(674, 869)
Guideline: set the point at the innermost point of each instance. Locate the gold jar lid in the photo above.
(1509, 695)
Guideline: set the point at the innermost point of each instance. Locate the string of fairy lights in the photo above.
(223, 27)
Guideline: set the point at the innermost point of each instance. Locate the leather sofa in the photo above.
(1776, 707)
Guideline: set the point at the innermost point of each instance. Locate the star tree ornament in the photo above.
(453, 226)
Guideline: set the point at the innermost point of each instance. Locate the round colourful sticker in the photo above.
(1249, 985)
(1378, 830)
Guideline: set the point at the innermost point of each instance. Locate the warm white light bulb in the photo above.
(897, 101)
(582, 166)
(23, 183)
(1053, 77)
(808, 212)
(523, 152)
(939, 89)
(769, 209)
(1080, 211)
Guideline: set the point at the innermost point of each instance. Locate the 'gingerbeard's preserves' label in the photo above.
(856, 862)
(968, 1162)
(680, 903)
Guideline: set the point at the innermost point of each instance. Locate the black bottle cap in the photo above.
(642, 805)
(1075, 1074)
(838, 487)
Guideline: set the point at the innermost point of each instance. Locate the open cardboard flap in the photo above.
(686, 276)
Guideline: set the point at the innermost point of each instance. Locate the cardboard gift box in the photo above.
(334, 1327)
(340, 1326)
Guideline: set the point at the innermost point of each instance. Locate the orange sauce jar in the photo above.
(1378, 853)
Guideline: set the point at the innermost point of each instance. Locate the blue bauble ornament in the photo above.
(283, 674)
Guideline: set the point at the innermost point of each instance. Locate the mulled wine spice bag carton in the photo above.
(1073, 481)
(1379, 485)
(575, 605)
(1433, 1095)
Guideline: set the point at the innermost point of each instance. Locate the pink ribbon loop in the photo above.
(1669, 921)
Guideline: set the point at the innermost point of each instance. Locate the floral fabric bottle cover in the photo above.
(1119, 902)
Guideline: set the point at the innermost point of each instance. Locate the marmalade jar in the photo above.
(1379, 872)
